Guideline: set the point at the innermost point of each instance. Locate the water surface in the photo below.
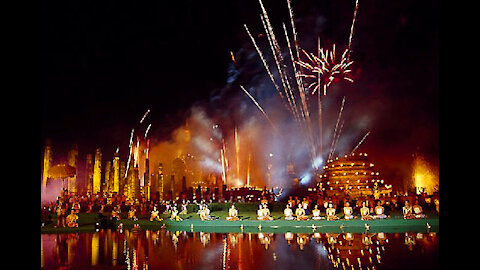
(162, 249)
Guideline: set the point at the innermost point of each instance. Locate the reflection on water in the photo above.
(160, 249)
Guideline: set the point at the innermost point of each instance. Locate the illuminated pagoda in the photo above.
(352, 175)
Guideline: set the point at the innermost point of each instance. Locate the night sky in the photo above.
(104, 63)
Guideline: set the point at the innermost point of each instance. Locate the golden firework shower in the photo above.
(423, 176)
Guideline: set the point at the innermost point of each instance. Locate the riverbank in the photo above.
(89, 222)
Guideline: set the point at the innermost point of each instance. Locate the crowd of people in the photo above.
(67, 207)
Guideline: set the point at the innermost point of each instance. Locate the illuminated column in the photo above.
(97, 171)
(129, 184)
(136, 183)
(116, 174)
(72, 161)
(122, 187)
(172, 187)
(160, 180)
(184, 183)
(47, 163)
(108, 184)
(89, 173)
(146, 180)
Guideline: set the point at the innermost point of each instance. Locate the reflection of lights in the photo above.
(288, 236)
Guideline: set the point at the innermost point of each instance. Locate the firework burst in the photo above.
(325, 69)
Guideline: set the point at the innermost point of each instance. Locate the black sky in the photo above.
(104, 63)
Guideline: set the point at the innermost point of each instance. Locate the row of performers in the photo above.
(366, 213)
(263, 213)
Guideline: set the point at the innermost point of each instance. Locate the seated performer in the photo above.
(167, 208)
(380, 211)
(263, 213)
(115, 213)
(348, 211)
(131, 214)
(331, 212)
(72, 219)
(418, 211)
(232, 213)
(154, 214)
(174, 215)
(206, 210)
(365, 212)
(288, 213)
(300, 213)
(316, 213)
(184, 208)
(204, 213)
(407, 211)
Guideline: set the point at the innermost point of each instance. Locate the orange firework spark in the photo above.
(233, 57)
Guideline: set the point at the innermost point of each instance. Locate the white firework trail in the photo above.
(361, 141)
(336, 140)
(336, 126)
(146, 131)
(264, 63)
(351, 30)
(145, 115)
(129, 152)
(259, 107)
